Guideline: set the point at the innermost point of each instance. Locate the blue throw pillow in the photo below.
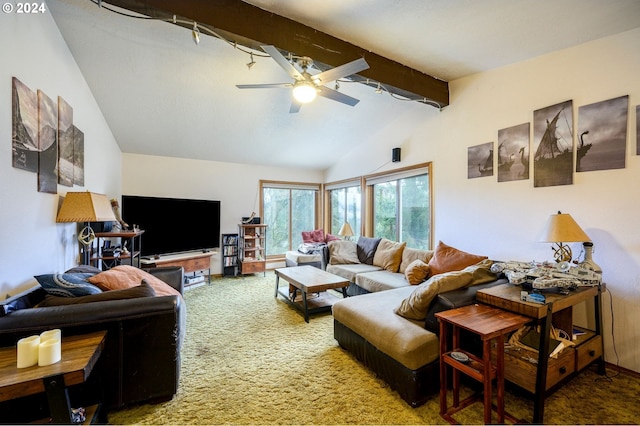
(68, 285)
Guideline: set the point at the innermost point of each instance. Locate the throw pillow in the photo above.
(126, 276)
(417, 272)
(446, 258)
(411, 254)
(389, 255)
(366, 248)
(143, 290)
(83, 269)
(67, 285)
(417, 304)
(331, 237)
(315, 236)
(342, 252)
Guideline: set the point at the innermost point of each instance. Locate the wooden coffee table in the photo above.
(309, 279)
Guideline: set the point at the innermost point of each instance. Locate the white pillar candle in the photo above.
(49, 352)
(28, 350)
(51, 334)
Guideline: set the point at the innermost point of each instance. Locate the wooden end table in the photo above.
(488, 323)
(79, 356)
(309, 279)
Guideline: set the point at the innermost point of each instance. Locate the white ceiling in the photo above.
(162, 94)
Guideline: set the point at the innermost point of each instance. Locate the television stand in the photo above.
(191, 262)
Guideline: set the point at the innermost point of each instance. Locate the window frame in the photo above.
(274, 184)
(343, 184)
(393, 175)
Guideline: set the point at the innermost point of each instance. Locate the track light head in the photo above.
(195, 33)
(252, 63)
(379, 89)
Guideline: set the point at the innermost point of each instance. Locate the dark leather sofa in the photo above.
(141, 358)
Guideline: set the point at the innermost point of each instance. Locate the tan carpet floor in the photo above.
(249, 358)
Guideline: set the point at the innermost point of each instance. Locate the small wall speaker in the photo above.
(395, 155)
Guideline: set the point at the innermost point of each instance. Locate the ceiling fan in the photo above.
(306, 86)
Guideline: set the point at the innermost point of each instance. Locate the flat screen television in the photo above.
(173, 225)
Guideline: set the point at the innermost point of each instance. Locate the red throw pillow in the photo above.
(126, 276)
(315, 236)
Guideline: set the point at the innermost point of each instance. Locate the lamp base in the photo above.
(562, 253)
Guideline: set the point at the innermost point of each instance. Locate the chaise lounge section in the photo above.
(394, 331)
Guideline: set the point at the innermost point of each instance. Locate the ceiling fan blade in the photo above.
(263, 86)
(345, 70)
(282, 61)
(295, 106)
(337, 96)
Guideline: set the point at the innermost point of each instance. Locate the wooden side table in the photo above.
(79, 356)
(488, 323)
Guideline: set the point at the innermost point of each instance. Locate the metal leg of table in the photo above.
(277, 283)
(58, 399)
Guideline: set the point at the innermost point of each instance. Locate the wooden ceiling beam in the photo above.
(251, 26)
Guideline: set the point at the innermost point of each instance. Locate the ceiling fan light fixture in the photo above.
(304, 92)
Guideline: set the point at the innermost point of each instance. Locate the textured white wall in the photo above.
(33, 50)
(503, 220)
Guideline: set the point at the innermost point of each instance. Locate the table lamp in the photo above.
(559, 229)
(85, 207)
(346, 231)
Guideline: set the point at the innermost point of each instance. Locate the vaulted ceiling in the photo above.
(163, 94)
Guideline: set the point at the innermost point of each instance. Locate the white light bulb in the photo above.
(304, 92)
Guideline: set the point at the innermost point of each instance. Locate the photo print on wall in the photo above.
(65, 143)
(480, 160)
(47, 144)
(513, 153)
(553, 132)
(602, 135)
(24, 132)
(78, 156)
(637, 129)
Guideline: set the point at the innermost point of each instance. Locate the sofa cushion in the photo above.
(446, 258)
(389, 255)
(417, 304)
(371, 316)
(126, 276)
(350, 271)
(142, 290)
(342, 252)
(381, 280)
(366, 248)
(417, 272)
(68, 285)
(411, 254)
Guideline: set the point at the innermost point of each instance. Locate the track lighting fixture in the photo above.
(378, 90)
(337, 86)
(252, 63)
(195, 33)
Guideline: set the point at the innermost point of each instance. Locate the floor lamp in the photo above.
(85, 207)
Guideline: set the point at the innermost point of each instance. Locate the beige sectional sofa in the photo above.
(390, 325)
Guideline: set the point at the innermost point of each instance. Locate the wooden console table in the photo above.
(79, 355)
(556, 310)
(190, 262)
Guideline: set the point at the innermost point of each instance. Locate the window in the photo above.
(288, 209)
(346, 207)
(400, 204)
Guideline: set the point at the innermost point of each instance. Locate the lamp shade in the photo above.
(85, 207)
(562, 228)
(346, 230)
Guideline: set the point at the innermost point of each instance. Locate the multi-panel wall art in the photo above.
(601, 144)
(44, 139)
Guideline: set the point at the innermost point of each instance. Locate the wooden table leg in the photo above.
(486, 361)
(500, 377)
(443, 368)
(456, 373)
